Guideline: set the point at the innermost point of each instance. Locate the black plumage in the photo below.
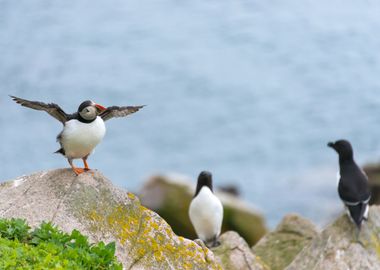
(51, 108)
(204, 179)
(59, 114)
(353, 188)
(116, 111)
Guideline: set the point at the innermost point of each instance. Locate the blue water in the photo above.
(250, 90)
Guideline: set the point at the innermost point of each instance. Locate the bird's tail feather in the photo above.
(60, 151)
(357, 213)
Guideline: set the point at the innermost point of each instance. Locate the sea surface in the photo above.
(250, 90)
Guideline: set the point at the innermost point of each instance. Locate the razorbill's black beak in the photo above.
(331, 144)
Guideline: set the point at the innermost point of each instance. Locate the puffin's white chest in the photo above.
(206, 214)
(79, 139)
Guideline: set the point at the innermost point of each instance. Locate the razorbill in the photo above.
(206, 211)
(353, 185)
(82, 130)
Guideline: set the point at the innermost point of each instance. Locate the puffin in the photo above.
(353, 187)
(206, 211)
(83, 130)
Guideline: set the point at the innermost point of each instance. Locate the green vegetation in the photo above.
(47, 247)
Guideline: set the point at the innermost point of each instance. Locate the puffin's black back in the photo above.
(204, 179)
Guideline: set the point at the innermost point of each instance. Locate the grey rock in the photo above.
(339, 248)
(279, 248)
(91, 204)
(235, 254)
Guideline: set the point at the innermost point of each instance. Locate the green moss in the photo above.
(281, 249)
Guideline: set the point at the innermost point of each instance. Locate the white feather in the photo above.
(337, 178)
(79, 139)
(366, 212)
(206, 214)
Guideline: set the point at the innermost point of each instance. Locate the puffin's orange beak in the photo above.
(100, 107)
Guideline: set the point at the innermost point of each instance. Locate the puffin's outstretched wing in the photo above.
(51, 108)
(116, 111)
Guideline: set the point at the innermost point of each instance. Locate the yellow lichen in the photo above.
(131, 196)
(141, 252)
(141, 232)
(376, 244)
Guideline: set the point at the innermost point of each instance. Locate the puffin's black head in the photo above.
(89, 110)
(343, 148)
(204, 179)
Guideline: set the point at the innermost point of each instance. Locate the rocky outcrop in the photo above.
(91, 204)
(235, 254)
(339, 248)
(170, 198)
(278, 248)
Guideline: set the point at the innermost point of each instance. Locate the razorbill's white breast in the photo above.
(206, 211)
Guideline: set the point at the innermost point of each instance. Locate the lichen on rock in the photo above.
(90, 203)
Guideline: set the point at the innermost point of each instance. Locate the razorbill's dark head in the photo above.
(204, 179)
(343, 148)
(89, 110)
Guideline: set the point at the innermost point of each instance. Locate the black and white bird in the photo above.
(206, 211)
(82, 130)
(353, 185)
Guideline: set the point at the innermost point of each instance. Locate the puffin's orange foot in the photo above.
(78, 171)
